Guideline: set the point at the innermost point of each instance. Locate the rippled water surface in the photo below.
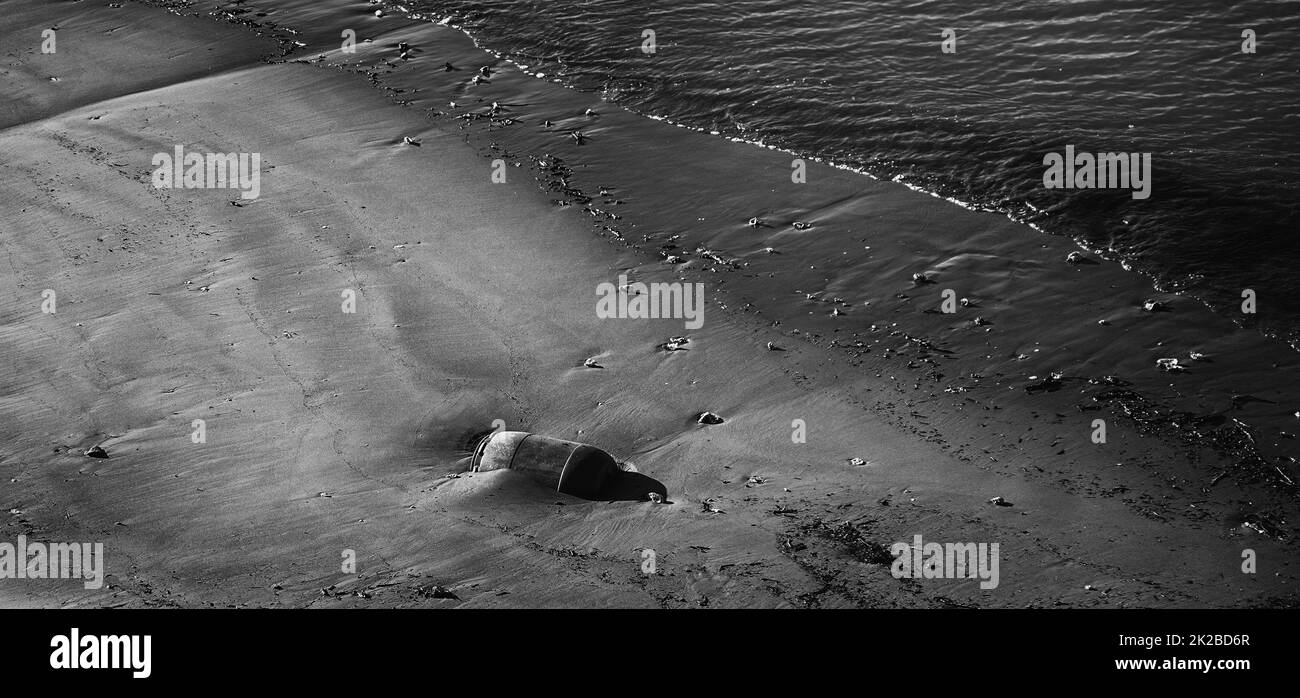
(866, 84)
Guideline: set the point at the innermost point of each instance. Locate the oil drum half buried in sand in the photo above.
(575, 469)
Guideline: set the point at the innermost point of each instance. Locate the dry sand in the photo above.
(328, 431)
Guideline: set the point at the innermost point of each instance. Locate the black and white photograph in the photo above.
(823, 312)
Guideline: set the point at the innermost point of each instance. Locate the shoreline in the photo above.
(478, 305)
(1274, 319)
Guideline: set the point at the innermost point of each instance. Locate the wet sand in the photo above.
(329, 431)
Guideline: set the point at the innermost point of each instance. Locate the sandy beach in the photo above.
(328, 432)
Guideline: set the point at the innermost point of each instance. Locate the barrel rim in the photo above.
(478, 452)
(481, 449)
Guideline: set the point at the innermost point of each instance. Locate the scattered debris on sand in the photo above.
(1262, 524)
(1170, 365)
(434, 591)
(675, 344)
(1049, 384)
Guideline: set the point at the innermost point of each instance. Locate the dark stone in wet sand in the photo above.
(1047, 385)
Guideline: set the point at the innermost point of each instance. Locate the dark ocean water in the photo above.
(865, 85)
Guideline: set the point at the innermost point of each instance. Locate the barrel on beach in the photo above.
(576, 469)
